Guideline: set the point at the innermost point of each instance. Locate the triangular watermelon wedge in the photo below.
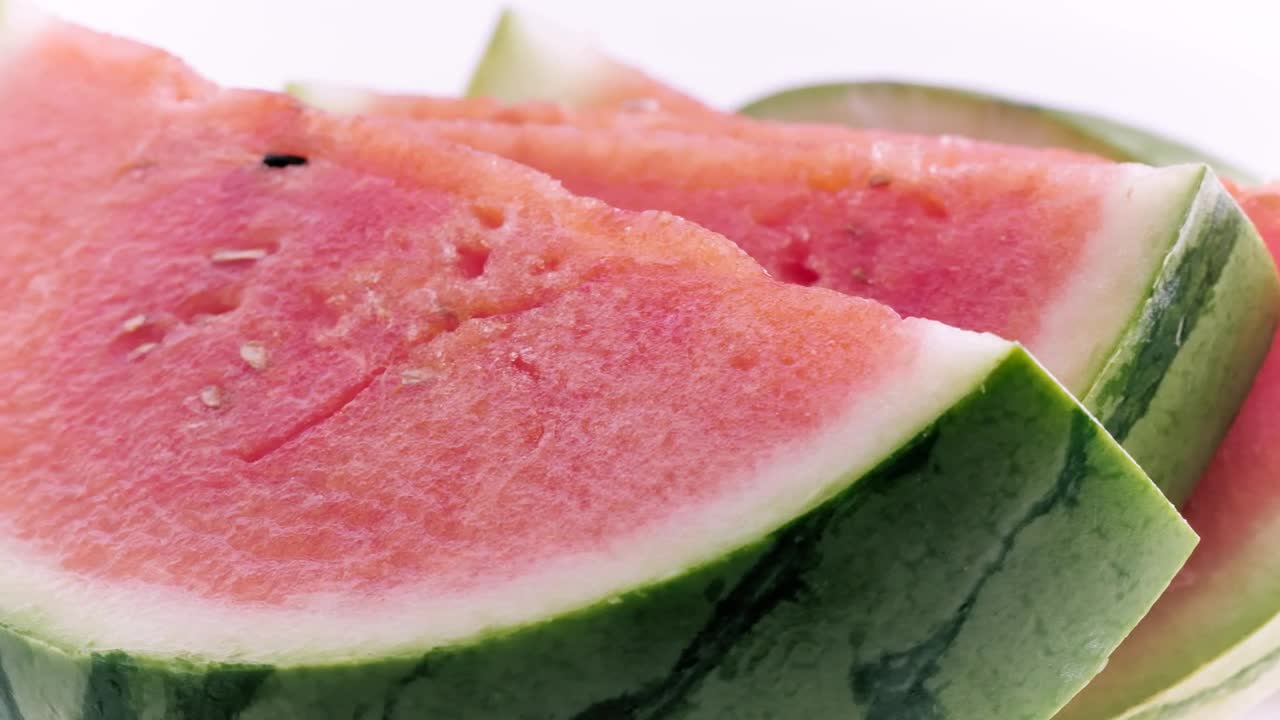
(1210, 649)
(1147, 292)
(308, 418)
(553, 64)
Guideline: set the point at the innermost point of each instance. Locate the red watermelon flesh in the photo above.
(897, 219)
(276, 339)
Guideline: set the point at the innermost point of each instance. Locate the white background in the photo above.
(1201, 71)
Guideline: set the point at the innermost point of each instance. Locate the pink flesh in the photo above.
(465, 371)
(966, 233)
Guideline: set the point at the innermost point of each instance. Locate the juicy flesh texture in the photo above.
(913, 222)
(398, 362)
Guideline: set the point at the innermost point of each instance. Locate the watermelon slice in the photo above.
(1210, 649)
(307, 418)
(934, 110)
(1105, 272)
(552, 63)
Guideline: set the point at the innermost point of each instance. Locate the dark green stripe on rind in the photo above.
(985, 571)
(122, 688)
(1173, 385)
(9, 709)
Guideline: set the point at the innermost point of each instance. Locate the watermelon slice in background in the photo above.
(312, 419)
(936, 110)
(1211, 647)
(1145, 291)
(554, 64)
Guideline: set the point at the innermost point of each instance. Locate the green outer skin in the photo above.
(1170, 389)
(902, 106)
(985, 570)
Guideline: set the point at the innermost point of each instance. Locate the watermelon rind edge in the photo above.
(936, 109)
(1185, 364)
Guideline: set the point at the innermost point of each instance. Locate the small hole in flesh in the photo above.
(489, 216)
(471, 261)
(795, 271)
(208, 303)
(524, 365)
(543, 265)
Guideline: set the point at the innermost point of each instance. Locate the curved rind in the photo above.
(937, 110)
(523, 61)
(1186, 363)
(960, 579)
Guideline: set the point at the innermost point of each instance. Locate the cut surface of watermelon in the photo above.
(309, 419)
(1103, 271)
(1191, 402)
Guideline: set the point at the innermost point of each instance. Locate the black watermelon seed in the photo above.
(276, 160)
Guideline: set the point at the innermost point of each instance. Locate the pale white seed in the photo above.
(254, 354)
(133, 323)
(141, 350)
(223, 256)
(211, 396)
(412, 376)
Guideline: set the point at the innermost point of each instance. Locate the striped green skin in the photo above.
(985, 570)
(936, 110)
(1171, 387)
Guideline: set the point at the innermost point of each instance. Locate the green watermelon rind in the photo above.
(961, 575)
(1184, 365)
(936, 110)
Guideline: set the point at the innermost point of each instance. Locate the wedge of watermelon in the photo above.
(1211, 647)
(1105, 272)
(309, 419)
(554, 64)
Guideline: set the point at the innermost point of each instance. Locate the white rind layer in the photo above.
(1141, 218)
(76, 613)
